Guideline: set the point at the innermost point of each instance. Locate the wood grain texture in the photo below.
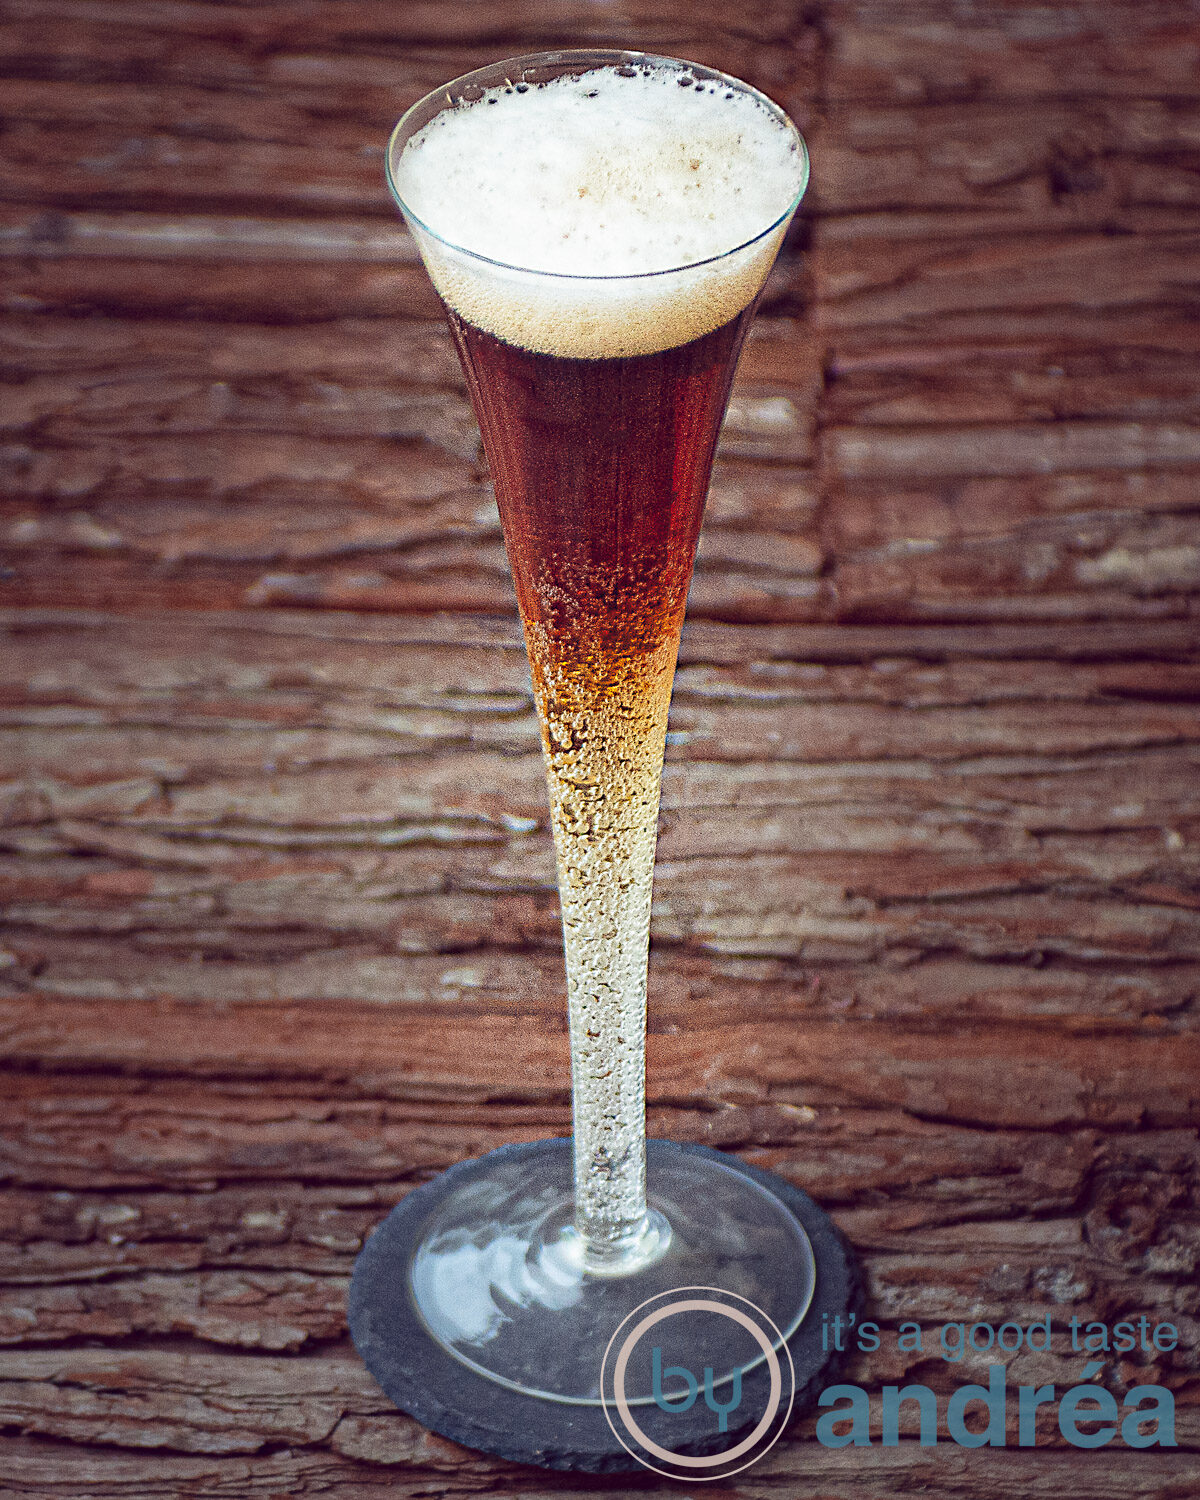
(280, 935)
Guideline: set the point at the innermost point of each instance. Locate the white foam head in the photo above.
(615, 211)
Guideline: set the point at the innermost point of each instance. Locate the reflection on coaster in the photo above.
(468, 1309)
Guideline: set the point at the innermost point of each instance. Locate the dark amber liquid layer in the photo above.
(601, 469)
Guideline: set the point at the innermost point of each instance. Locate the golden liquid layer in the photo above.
(603, 751)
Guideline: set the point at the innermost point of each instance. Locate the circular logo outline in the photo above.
(683, 1303)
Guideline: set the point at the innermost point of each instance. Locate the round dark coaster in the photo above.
(449, 1398)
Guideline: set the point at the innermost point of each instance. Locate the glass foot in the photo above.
(499, 1279)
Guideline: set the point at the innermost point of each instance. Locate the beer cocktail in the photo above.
(599, 227)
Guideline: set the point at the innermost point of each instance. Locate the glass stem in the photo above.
(604, 757)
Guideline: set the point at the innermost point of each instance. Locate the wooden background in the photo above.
(281, 925)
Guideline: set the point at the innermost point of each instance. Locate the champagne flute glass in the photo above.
(600, 384)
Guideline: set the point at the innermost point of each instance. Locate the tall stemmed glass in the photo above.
(599, 397)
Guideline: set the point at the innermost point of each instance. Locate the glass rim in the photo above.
(589, 57)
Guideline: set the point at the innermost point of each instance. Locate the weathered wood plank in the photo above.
(1007, 477)
(333, 380)
(932, 1251)
(1077, 163)
(207, 1403)
(1005, 287)
(350, 454)
(170, 793)
(270, 1310)
(406, 1468)
(987, 1271)
(463, 1051)
(935, 1189)
(283, 1234)
(986, 290)
(912, 50)
(295, 43)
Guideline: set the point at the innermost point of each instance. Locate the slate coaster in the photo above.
(448, 1398)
